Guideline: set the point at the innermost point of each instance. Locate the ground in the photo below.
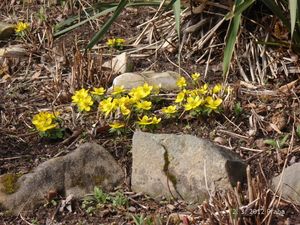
(259, 109)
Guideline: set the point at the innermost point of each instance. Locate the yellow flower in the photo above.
(195, 76)
(170, 109)
(98, 91)
(217, 88)
(44, 121)
(145, 105)
(148, 120)
(140, 92)
(155, 120)
(115, 42)
(83, 100)
(124, 110)
(203, 90)
(118, 90)
(192, 103)
(213, 104)
(180, 97)
(181, 82)
(20, 27)
(145, 121)
(117, 125)
(107, 106)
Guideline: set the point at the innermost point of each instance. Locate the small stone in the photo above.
(171, 207)
(6, 30)
(16, 51)
(165, 80)
(120, 64)
(289, 185)
(220, 140)
(132, 209)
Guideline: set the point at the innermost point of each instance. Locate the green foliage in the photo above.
(99, 199)
(234, 26)
(238, 109)
(100, 34)
(142, 220)
(96, 200)
(100, 196)
(298, 131)
(277, 143)
(119, 200)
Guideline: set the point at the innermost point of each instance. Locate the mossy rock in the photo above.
(9, 183)
(6, 30)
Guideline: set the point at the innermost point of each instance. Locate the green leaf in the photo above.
(177, 10)
(233, 31)
(271, 142)
(293, 14)
(283, 141)
(100, 34)
(298, 131)
(67, 22)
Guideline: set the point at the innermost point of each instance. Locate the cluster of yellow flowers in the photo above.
(44, 121)
(48, 125)
(21, 27)
(116, 43)
(200, 100)
(122, 108)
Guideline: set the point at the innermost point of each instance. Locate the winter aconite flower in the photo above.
(145, 120)
(118, 90)
(169, 110)
(144, 105)
(203, 90)
(155, 120)
(181, 82)
(107, 106)
(98, 91)
(117, 43)
(180, 97)
(195, 76)
(117, 125)
(192, 103)
(21, 27)
(217, 88)
(213, 104)
(83, 100)
(141, 92)
(44, 121)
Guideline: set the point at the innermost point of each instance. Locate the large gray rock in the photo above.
(182, 166)
(77, 173)
(165, 80)
(289, 184)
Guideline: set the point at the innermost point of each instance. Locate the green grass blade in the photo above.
(107, 9)
(104, 12)
(100, 34)
(233, 32)
(293, 13)
(177, 11)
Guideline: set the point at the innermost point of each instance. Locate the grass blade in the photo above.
(293, 14)
(100, 34)
(177, 10)
(234, 26)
